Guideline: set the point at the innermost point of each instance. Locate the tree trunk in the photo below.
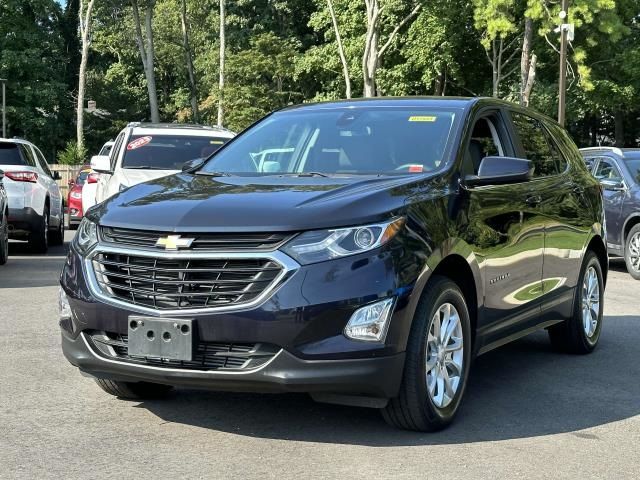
(525, 59)
(619, 128)
(343, 58)
(222, 58)
(531, 78)
(85, 30)
(189, 60)
(147, 54)
(440, 83)
(370, 56)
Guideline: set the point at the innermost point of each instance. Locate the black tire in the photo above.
(570, 335)
(57, 236)
(39, 237)
(133, 390)
(413, 408)
(4, 239)
(631, 251)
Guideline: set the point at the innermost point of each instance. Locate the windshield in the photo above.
(351, 141)
(82, 177)
(168, 152)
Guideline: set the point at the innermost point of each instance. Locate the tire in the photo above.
(4, 239)
(632, 252)
(39, 238)
(133, 390)
(415, 408)
(577, 334)
(57, 237)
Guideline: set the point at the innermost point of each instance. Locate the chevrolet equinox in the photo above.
(361, 251)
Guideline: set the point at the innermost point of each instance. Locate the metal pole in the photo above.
(4, 108)
(562, 84)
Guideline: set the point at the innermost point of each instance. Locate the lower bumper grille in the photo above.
(207, 355)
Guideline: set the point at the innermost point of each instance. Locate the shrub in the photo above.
(71, 155)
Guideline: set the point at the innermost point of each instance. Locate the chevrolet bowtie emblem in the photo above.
(174, 242)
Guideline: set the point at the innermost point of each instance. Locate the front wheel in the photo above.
(133, 390)
(632, 252)
(581, 332)
(437, 361)
(39, 237)
(57, 236)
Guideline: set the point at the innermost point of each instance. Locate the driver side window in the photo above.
(485, 142)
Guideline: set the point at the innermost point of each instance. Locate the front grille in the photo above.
(202, 241)
(175, 284)
(206, 355)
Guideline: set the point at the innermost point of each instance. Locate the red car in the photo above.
(74, 198)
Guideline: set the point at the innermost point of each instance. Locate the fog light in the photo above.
(370, 323)
(64, 310)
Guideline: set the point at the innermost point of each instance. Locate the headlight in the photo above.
(76, 195)
(87, 236)
(321, 245)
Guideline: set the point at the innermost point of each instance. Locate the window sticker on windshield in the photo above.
(216, 142)
(422, 118)
(139, 142)
(416, 168)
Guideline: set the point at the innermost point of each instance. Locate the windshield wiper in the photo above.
(312, 174)
(146, 167)
(212, 174)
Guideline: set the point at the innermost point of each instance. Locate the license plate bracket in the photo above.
(163, 338)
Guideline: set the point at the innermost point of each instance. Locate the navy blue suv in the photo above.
(361, 251)
(618, 170)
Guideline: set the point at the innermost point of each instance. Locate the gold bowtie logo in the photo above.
(174, 242)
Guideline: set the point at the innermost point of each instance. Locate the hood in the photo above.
(188, 203)
(133, 177)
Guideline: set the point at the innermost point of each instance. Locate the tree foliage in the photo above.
(280, 52)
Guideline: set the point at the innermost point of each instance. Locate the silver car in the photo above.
(35, 202)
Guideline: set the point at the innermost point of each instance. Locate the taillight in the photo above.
(22, 176)
(93, 178)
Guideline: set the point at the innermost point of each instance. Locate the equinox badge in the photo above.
(174, 242)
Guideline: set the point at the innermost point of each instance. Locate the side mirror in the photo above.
(612, 184)
(501, 170)
(101, 164)
(192, 165)
(56, 175)
(71, 182)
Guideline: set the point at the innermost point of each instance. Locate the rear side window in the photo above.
(537, 145)
(27, 154)
(10, 154)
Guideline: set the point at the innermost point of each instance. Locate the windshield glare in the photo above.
(168, 152)
(347, 141)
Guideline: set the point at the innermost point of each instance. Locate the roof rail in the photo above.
(177, 125)
(616, 150)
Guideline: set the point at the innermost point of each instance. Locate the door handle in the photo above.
(533, 200)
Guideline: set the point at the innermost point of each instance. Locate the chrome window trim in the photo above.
(287, 263)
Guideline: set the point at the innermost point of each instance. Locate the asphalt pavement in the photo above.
(528, 412)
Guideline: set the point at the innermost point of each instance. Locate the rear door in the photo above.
(506, 235)
(563, 208)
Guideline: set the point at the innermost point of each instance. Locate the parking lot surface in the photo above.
(528, 412)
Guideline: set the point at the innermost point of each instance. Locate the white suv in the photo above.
(35, 202)
(144, 152)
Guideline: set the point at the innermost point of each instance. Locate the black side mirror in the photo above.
(192, 165)
(612, 184)
(56, 175)
(501, 170)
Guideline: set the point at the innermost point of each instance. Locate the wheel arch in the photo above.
(631, 221)
(598, 246)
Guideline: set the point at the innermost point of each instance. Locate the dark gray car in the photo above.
(618, 170)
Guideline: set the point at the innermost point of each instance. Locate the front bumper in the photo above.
(304, 318)
(372, 377)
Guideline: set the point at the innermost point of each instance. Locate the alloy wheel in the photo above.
(444, 355)
(590, 302)
(634, 252)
